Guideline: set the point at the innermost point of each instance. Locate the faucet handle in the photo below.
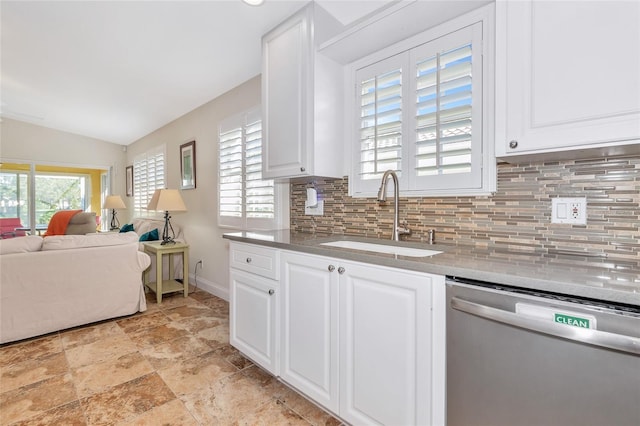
(403, 229)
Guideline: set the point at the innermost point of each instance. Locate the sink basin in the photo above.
(382, 248)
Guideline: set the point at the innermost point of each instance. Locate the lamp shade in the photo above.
(167, 200)
(114, 202)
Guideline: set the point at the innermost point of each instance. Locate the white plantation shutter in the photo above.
(245, 199)
(420, 113)
(448, 104)
(381, 93)
(148, 175)
(259, 193)
(230, 193)
(381, 124)
(443, 116)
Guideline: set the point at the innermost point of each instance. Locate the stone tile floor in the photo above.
(171, 365)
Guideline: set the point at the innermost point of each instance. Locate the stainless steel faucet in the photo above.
(382, 196)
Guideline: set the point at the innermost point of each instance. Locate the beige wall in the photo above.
(200, 221)
(24, 142)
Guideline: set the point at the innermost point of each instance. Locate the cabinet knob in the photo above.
(513, 144)
(331, 268)
(302, 169)
(341, 270)
(248, 260)
(271, 291)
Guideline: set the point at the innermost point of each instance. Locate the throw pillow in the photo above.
(150, 236)
(128, 227)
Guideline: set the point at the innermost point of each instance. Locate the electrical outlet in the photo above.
(199, 262)
(569, 210)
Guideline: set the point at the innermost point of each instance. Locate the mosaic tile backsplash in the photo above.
(516, 217)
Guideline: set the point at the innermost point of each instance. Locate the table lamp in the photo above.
(114, 202)
(167, 200)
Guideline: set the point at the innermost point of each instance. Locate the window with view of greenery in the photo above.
(53, 192)
(59, 192)
(14, 195)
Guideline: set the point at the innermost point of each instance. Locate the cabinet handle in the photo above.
(331, 268)
(513, 144)
(341, 270)
(271, 291)
(248, 260)
(302, 169)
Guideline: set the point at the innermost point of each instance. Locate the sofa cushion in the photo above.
(66, 242)
(21, 244)
(142, 226)
(150, 236)
(127, 227)
(82, 223)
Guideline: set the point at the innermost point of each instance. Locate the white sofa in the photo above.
(144, 225)
(53, 283)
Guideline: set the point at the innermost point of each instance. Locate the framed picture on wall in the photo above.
(129, 178)
(188, 165)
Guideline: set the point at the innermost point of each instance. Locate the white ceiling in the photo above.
(118, 70)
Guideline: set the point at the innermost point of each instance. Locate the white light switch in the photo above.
(569, 210)
(561, 210)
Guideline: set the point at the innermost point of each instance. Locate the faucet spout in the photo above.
(382, 196)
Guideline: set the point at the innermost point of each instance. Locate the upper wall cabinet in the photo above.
(568, 78)
(302, 99)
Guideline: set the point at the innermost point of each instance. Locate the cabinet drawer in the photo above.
(262, 261)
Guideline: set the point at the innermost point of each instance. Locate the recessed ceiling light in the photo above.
(253, 2)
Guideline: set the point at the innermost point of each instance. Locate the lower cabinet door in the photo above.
(385, 346)
(309, 336)
(253, 313)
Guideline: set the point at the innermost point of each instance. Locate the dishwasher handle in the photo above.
(583, 335)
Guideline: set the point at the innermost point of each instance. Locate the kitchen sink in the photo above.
(382, 248)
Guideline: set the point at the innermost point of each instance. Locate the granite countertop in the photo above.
(597, 278)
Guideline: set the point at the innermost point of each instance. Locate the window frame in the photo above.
(280, 189)
(484, 158)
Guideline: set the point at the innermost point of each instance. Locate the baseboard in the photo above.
(210, 287)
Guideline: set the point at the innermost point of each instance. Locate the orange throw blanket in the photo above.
(59, 222)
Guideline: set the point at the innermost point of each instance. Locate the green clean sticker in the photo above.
(572, 321)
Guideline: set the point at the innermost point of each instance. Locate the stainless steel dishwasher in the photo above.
(519, 357)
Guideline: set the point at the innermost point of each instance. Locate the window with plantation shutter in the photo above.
(246, 200)
(443, 128)
(148, 175)
(380, 121)
(447, 114)
(419, 112)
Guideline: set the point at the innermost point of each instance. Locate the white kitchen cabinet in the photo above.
(253, 304)
(309, 327)
(302, 98)
(385, 339)
(366, 342)
(568, 77)
(392, 357)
